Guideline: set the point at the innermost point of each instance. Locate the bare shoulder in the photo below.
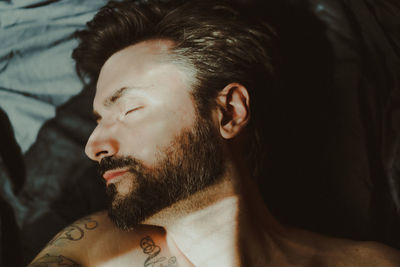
(371, 254)
(94, 240)
(357, 253)
(321, 250)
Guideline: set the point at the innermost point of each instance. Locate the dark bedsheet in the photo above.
(46, 180)
(334, 133)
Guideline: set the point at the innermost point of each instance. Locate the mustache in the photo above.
(118, 162)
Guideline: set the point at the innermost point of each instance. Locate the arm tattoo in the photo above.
(75, 231)
(152, 250)
(53, 261)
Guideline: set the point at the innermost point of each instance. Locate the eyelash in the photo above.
(131, 110)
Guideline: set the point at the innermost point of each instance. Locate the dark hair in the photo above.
(223, 41)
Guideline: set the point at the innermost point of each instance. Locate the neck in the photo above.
(207, 217)
(215, 226)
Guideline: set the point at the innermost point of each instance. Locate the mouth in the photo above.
(112, 174)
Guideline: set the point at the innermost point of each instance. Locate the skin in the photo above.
(226, 224)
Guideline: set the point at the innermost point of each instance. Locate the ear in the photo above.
(233, 109)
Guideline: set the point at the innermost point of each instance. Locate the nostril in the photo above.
(101, 152)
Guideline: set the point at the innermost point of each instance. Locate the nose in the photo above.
(100, 145)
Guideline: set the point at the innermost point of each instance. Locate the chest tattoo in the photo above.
(153, 250)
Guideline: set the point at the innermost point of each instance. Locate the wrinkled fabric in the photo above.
(36, 69)
(46, 181)
(365, 39)
(334, 135)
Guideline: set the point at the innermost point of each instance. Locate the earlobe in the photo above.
(234, 109)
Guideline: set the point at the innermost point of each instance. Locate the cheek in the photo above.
(146, 136)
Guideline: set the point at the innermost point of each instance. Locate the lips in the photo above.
(110, 175)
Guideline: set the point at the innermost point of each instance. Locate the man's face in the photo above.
(152, 148)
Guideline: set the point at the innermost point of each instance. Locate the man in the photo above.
(182, 87)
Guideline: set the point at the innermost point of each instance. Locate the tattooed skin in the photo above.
(75, 231)
(53, 261)
(152, 250)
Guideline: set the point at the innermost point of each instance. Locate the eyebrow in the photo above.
(111, 100)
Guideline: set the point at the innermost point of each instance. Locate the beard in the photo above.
(192, 162)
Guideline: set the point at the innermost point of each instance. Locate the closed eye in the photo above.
(132, 110)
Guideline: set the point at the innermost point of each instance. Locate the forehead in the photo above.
(143, 65)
